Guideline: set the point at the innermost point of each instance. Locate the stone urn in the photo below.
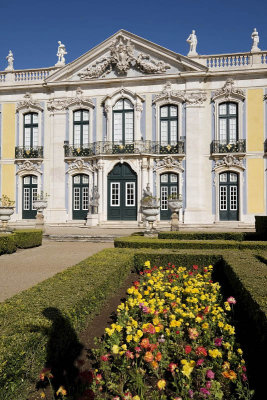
(40, 206)
(5, 214)
(175, 204)
(150, 209)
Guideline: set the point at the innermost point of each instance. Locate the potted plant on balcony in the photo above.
(175, 203)
(150, 209)
(6, 210)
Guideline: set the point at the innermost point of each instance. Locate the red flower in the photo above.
(136, 284)
(172, 367)
(138, 349)
(129, 354)
(145, 343)
(105, 357)
(207, 310)
(201, 351)
(158, 356)
(195, 267)
(200, 362)
(188, 349)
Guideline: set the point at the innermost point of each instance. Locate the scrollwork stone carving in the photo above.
(29, 104)
(54, 105)
(228, 91)
(79, 165)
(168, 163)
(196, 98)
(168, 95)
(122, 57)
(28, 166)
(229, 161)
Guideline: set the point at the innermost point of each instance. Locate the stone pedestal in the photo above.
(92, 220)
(174, 222)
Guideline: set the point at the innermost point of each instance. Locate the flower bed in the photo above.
(172, 340)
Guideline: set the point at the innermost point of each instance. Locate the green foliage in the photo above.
(143, 242)
(28, 238)
(7, 244)
(20, 239)
(238, 236)
(76, 293)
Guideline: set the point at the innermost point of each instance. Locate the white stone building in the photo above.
(130, 113)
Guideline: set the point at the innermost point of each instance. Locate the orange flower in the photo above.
(229, 374)
(148, 357)
(145, 343)
(154, 364)
(158, 356)
(45, 373)
(62, 391)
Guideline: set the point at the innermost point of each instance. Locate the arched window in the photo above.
(81, 128)
(228, 123)
(30, 129)
(168, 125)
(123, 122)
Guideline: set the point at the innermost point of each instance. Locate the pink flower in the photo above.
(244, 377)
(210, 374)
(193, 333)
(199, 362)
(172, 367)
(204, 391)
(190, 393)
(129, 354)
(231, 300)
(195, 267)
(138, 349)
(218, 341)
(208, 384)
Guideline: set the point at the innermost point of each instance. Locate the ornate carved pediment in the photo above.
(229, 92)
(122, 57)
(29, 104)
(80, 165)
(229, 161)
(168, 163)
(29, 166)
(168, 95)
(62, 104)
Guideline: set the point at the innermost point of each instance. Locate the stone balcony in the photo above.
(238, 147)
(23, 152)
(119, 148)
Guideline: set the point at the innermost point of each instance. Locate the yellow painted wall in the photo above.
(255, 120)
(8, 149)
(8, 130)
(8, 180)
(255, 171)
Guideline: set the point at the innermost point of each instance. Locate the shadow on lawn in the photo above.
(63, 349)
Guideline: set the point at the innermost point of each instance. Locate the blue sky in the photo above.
(31, 29)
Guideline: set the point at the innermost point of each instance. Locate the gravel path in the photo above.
(27, 267)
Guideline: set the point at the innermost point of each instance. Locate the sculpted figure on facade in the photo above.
(168, 163)
(168, 94)
(29, 104)
(255, 41)
(28, 167)
(122, 57)
(229, 161)
(192, 40)
(10, 61)
(61, 52)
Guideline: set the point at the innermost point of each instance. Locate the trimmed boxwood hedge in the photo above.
(76, 293)
(21, 239)
(238, 236)
(7, 244)
(143, 242)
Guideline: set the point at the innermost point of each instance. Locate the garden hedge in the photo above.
(143, 242)
(21, 239)
(76, 294)
(238, 236)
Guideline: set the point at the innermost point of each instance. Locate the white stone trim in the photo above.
(137, 101)
(75, 107)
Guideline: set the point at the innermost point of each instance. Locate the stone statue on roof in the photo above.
(192, 40)
(255, 41)
(61, 51)
(10, 60)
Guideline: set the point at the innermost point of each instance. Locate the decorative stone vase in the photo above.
(175, 205)
(39, 205)
(150, 210)
(5, 214)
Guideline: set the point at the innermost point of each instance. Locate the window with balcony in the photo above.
(123, 126)
(30, 148)
(168, 128)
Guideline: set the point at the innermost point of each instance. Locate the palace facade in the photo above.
(92, 134)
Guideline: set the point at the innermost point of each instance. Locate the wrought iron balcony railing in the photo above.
(29, 152)
(218, 146)
(136, 147)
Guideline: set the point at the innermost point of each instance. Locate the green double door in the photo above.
(168, 186)
(80, 196)
(122, 193)
(229, 196)
(29, 194)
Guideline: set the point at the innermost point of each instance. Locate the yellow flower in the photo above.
(161, 384)
(62, 391)
(205, 325)
(215, 353)
(147, 264)
(43, 396)
(115, 349)
(240, 351)
(128, 338)
(136, 398)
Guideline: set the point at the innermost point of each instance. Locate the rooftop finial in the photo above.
(192, 40)
(10, 60)
(61, 51)
(255, 41)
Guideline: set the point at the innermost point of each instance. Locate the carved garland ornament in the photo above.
(169, 95)
(122, 58)
(29, 166)
(29, 103)
(62, 104)
(228, 91)
(229, 161)
(170, 163)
